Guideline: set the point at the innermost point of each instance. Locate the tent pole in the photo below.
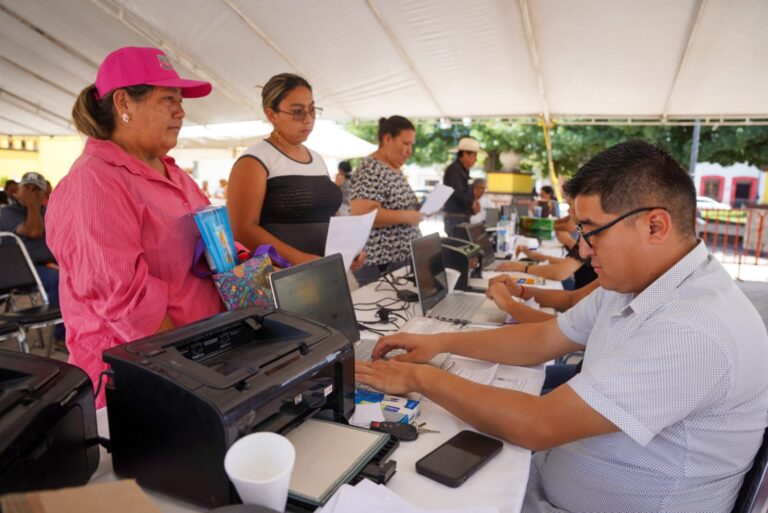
(545, 126)
(695, 149)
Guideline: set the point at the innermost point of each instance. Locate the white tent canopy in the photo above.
(557, 59)
(327, 138)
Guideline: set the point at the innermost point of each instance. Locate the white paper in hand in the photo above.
(436, 199)
(347, 235)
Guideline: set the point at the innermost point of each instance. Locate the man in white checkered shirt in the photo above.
(672, 401)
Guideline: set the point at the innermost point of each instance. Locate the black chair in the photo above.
(753, 495)
(10, 329)
(18, 274)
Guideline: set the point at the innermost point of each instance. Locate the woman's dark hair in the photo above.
(278, 87)
(393, 125)
(346, 168)
(549, 190)
(96, 118)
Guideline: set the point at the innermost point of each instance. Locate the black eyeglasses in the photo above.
(586, 236)
(301, 114)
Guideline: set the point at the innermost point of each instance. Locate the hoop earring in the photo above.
(125, 118)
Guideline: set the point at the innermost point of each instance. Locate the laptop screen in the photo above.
(491, 217)
(479, 236)
(429, 271)
(319, 291)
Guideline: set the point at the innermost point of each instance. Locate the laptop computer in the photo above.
(432, 287)
(476, 233)
(319, 291)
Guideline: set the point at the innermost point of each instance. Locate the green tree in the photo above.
(574, 145)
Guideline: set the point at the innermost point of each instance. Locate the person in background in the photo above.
(26, 218)
(343, 177)
(11, 187)
(221, 190)
(573, 270)
(120, 223)
(379, 184)
(547, 202)
(204, 188)
(280, 192)
(671, 405)
(462, 203)
(47, 193)
(482, 201)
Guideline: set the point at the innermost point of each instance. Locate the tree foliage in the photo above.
(573, 146)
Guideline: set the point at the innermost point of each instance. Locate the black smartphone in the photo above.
(454, 461)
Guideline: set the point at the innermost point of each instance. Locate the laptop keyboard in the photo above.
(423, 325)
(457, 306)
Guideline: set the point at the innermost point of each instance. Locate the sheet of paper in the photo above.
(436, 199)
(347, 235)
(522, 379)
(374, 498)
(473, 370)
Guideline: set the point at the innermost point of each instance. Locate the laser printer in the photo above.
(176, 401)
(48, 436)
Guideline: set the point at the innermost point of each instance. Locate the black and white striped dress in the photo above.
(300, 197)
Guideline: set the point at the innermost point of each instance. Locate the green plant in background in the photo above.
(573, 146)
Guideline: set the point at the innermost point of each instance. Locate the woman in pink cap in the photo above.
(119, 222)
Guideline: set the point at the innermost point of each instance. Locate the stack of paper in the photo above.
(372, 498)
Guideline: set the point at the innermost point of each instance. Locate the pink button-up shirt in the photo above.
(124, 239)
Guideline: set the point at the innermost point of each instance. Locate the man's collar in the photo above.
(647, 301)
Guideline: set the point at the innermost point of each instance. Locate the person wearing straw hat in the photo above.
(462, 204)
(119, 223)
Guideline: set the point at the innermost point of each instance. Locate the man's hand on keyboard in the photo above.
(390, 377)
(419, 348)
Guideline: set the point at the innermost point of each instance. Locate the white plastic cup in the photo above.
(260, 466)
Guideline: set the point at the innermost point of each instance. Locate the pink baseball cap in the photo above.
(133, 65)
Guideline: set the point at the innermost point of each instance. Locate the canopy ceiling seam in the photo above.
(32, 108)
(533, 53)
(17, 123)
(68, 49)
(139, 26)
(684, 58)
(38, 77)
(404, 55)
(272, 44)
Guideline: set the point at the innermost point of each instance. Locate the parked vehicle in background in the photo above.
(706, 203)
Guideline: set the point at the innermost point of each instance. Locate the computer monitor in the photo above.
(491, 217)
(319, 291)
(429, 270)
(475, 232)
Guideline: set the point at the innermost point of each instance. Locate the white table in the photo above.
(500, 483)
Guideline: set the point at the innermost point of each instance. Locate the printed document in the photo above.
(436, 199)
(347, 235)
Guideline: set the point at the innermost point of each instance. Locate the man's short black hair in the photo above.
(637, 174)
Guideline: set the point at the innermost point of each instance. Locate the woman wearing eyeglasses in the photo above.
(279, 190)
